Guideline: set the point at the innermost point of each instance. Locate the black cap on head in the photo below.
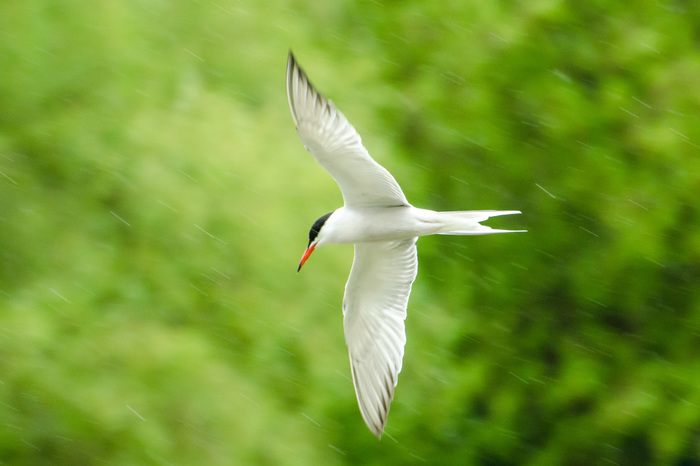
(316, 227)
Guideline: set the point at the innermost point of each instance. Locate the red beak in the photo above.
(306, 255)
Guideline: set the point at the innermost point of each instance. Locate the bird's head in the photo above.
(316, 236)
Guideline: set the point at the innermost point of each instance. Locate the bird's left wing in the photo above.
(374, 307)
(337, 147)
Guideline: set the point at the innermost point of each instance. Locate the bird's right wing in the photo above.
(376, 297)
(337, 147)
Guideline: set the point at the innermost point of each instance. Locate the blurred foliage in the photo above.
(155, 200)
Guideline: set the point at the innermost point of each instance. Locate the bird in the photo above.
(383, 227)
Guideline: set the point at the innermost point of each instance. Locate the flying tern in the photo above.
(384, 227)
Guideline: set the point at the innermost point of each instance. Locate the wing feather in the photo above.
(376, 297)
(336, 145)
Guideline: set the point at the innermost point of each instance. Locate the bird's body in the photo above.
(350, 225)
(384, 227)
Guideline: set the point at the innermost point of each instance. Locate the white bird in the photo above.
(384, 227)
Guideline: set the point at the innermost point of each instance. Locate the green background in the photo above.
(155, 201)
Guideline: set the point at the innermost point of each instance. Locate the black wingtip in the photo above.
(292, 64)
(291, 61)
(292, 70)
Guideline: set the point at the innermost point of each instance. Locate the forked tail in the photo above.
(466, 222)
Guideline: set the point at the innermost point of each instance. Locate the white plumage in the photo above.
(378, 219)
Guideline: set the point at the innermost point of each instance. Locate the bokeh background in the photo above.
(155, 202)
